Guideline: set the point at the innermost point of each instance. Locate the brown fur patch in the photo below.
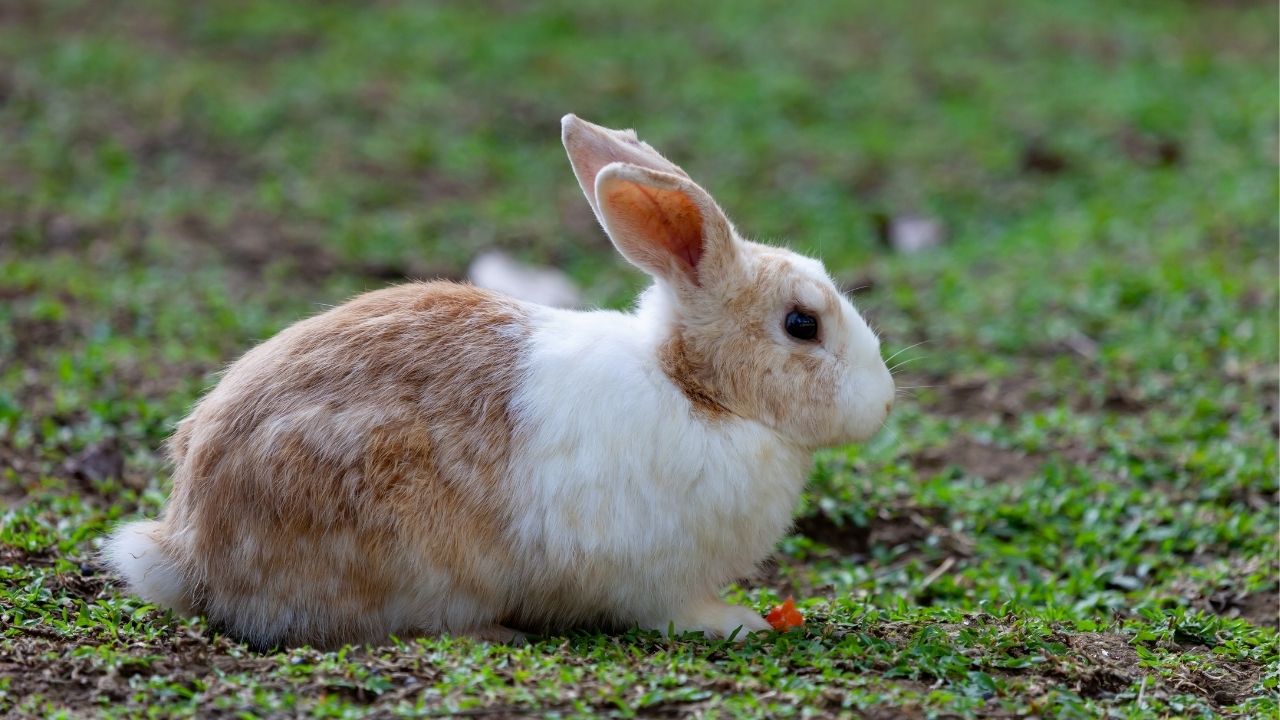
(350, 449)
(680, 366)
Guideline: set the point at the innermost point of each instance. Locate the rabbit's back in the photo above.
(341, 463)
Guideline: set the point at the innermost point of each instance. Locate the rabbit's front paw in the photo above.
(718, 619)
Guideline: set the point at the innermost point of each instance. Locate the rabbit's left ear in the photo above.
(591, 147)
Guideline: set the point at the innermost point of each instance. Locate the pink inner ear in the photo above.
(667, 221)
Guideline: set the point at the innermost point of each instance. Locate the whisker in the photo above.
(904, 362)
(904, 350)
(914, 387)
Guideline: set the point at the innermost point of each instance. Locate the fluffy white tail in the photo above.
(134, 553)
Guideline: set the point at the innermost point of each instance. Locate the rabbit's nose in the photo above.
(888, 406)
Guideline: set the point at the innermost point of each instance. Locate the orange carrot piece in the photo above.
(785, 616)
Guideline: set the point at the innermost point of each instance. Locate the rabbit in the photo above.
(434, 458)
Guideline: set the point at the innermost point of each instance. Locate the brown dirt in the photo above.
(97, 462)
(1111, 663)
(1113, 666)
(1041, 158)
(1259, 608)
(903, 532)
(890, 528)
(1229, 598)
(38, 667)
(979, 396)
(1013, 397)
(1150, 150)
(995, 464)
(977, 459)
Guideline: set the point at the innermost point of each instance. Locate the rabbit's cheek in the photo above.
(865, 398)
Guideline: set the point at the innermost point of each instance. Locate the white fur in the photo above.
(632, 500)
(133, 552)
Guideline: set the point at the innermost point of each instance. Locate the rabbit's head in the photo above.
(745, 329)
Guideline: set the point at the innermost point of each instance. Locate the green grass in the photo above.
(1076, 517)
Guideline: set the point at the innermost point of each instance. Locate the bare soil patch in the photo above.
(889, 528)
(978, 459)
(1261, 608)
(993, 463)
(1014, 396)
(40, 666)
(1111, 663)
(901, 531)
(980, 396)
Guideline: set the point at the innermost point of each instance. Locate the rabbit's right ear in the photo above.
(591, 147)
(665, 225)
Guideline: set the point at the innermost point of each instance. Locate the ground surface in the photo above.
(1076, 516)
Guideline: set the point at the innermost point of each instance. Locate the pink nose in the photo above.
(888, 406)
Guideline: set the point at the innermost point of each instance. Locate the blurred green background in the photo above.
(1089, 445)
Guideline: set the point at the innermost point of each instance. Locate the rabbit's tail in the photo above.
(134, 552)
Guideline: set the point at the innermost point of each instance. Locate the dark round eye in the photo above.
(801, 326)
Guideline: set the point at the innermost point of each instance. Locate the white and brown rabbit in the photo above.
(437, 458)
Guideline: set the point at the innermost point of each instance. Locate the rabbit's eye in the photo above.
(801, 326)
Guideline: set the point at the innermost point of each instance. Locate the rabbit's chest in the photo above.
(708, 506)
